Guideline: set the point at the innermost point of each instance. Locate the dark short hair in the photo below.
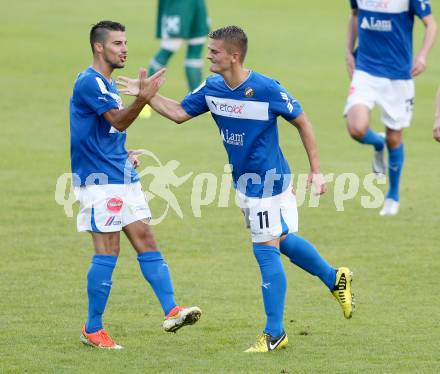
(232, 35)
(99, 31)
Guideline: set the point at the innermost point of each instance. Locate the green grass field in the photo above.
(43, 305)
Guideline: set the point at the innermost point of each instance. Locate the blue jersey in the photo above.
(97, 150)
(385, 29)
(246, 117)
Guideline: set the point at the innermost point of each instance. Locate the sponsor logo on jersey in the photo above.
(384, 6)
(232, 138)
(424, 4)
(114, 205)
(111, 221)
(240, 109)
(374, 4)
(374, 24)
(249, 92)
(289, 102)
(224, 107)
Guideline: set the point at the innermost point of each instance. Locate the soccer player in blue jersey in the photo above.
(107, 186)
(382, 71)
(245, 106)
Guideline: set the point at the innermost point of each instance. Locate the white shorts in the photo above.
(394, 97)
(270, 217)
(110, 207)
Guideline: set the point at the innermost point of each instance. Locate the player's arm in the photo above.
(169, 108)
(121, 119)
(305, 129)
(352, 35)
(420, 61)
(436, 129)
(165, 106)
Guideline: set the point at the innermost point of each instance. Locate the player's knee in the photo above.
(355, 131)
(107, 244)
(150, 244)
(393, 141)
(146, 237)
(108, 250)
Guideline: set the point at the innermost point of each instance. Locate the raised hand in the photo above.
(129, 86)
(132, 87)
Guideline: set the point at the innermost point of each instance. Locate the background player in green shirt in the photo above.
(179, 20)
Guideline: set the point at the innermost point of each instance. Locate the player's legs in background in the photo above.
(194, 62)
(358, 118)
(397, 106)
(166, 51)
(169, 29)
(198, 30)
(153, 266)
(396, 157)
(99, 277)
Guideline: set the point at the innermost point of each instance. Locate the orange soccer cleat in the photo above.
(99, 339)
(179, 317)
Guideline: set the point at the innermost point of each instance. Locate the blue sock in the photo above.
(274, 287)
(303, 254)
(99, 284)
(155, 271)
(395, 164)
(373, 138)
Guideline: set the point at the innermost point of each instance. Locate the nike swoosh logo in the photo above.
(273, 346)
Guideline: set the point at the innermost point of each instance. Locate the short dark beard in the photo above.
(117, 66)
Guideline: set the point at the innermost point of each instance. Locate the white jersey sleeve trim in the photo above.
(104, 91)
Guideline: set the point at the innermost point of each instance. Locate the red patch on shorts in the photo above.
(114, 205)
(351, 90)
